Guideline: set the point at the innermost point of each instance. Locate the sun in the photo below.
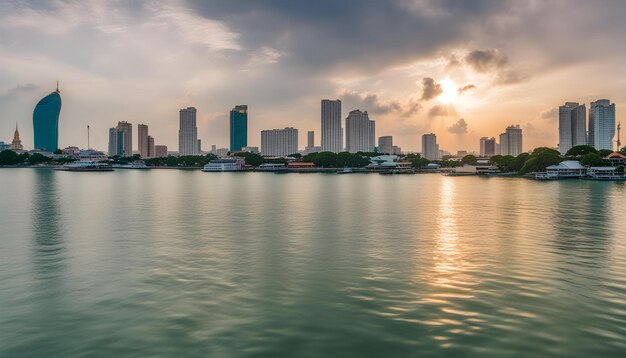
(450, 91)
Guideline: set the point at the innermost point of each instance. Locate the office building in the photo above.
(279, 142)
(572, 126)
(332, 133)
(127, 128)
(310, 136)
(397, 150)
(117, 142)
(601, 124)
(188, 132)
(16, 144)
(199, 147)
(488, 147)
(142, 140)
(430, 148)
(46, 122)
(360, 132)
(160, 151)
(511, 141)
(385, 144)
(238, 128)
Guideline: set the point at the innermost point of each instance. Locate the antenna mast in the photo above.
(88, 145)
(619, 142)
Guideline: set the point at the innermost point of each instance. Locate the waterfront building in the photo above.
(488, 146)
(396, 150)
(151, 147)
(250, 149)
(46, 121)
(127, 129)
(511, 141)
(160, 151)
(601, 124)
(238, 128)
(310, 146)
(222, 152)
(572, 126)
(332, 133)
(616, 158)
(188, 132)
(279, 142)
(4, 146)
(16, 144)
(213, 148)
(117, 142)
(385, 144)
(566, 169)
(360, 132)
(142, 140)
(430, 148)
(225, 165)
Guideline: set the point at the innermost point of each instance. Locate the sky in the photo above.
(460, 69)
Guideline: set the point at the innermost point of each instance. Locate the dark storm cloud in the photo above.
(486, 60)
(459, 127)
(430, 89)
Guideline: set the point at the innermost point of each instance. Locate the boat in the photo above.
(346, 170)
(87, 166)
(224, 165)
(139, 164)
(272, 167)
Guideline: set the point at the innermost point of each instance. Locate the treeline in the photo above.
(9, 157)
(183, 161)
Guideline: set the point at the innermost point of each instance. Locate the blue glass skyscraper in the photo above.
(46, 122)
(238, 127)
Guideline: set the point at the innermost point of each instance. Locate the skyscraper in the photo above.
(151, 146)
(601, 124)
(511, 141)
(430, 148)
(360, 132)
(127, 129)
(238, 127)
(310, 139)
(385, 145)
(116, 142)
(332, 133)
(46, 122)
(487, 146)
(188, 132)
(279, 142)
(16, 144)
(572, 126)
(142, 140)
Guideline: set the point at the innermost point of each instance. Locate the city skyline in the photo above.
(459, 81)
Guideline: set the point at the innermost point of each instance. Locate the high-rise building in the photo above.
(310, 142)
(213, 148)
(188, 132)
(279, 142)
(238, 128)
(142, 140)
(332, 133)
(151, 147)
(385, 144)
(430, 148)
(46, 121)
(487, 146)
(117, 142)
(397, 150)
(360, 132)
(127, 128)
(16, 144)
(511, 141)
(160, 151)
(199, 148)
(572, 126)
(601, 124)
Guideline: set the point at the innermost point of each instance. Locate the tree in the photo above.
(295, 155)
(419, 162)
(516, 164)
(620, 169)
(593, 160)
(469, 159)
(604, 152)
(9, 157)
(623, 150)
(539, 160)
(39, 158)
(325, 160)
(58, 151)
(580, 150)
(253, 159)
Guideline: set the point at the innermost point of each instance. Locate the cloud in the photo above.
(459, 127)
(551, 114)
(441, 111)
(369, 102)
(466, 88)
(431, 89)
(483, 61)
(17, 90)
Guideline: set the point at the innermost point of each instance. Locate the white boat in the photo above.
(272, 167)
(139, 164)
(224, 165)
(87, 166)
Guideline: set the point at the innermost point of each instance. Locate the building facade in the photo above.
(238, 128)
(46, 122)
(511, 141)
(127, 129)
(117, 142)
(430, 148)
(279, 142)
(332, 133)
(601, 124)
(188, 132)
(151, 146)
(385, 145)
(160, 151)
(142, 140)
(572, 126)
(488, 146)
(360, 132)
